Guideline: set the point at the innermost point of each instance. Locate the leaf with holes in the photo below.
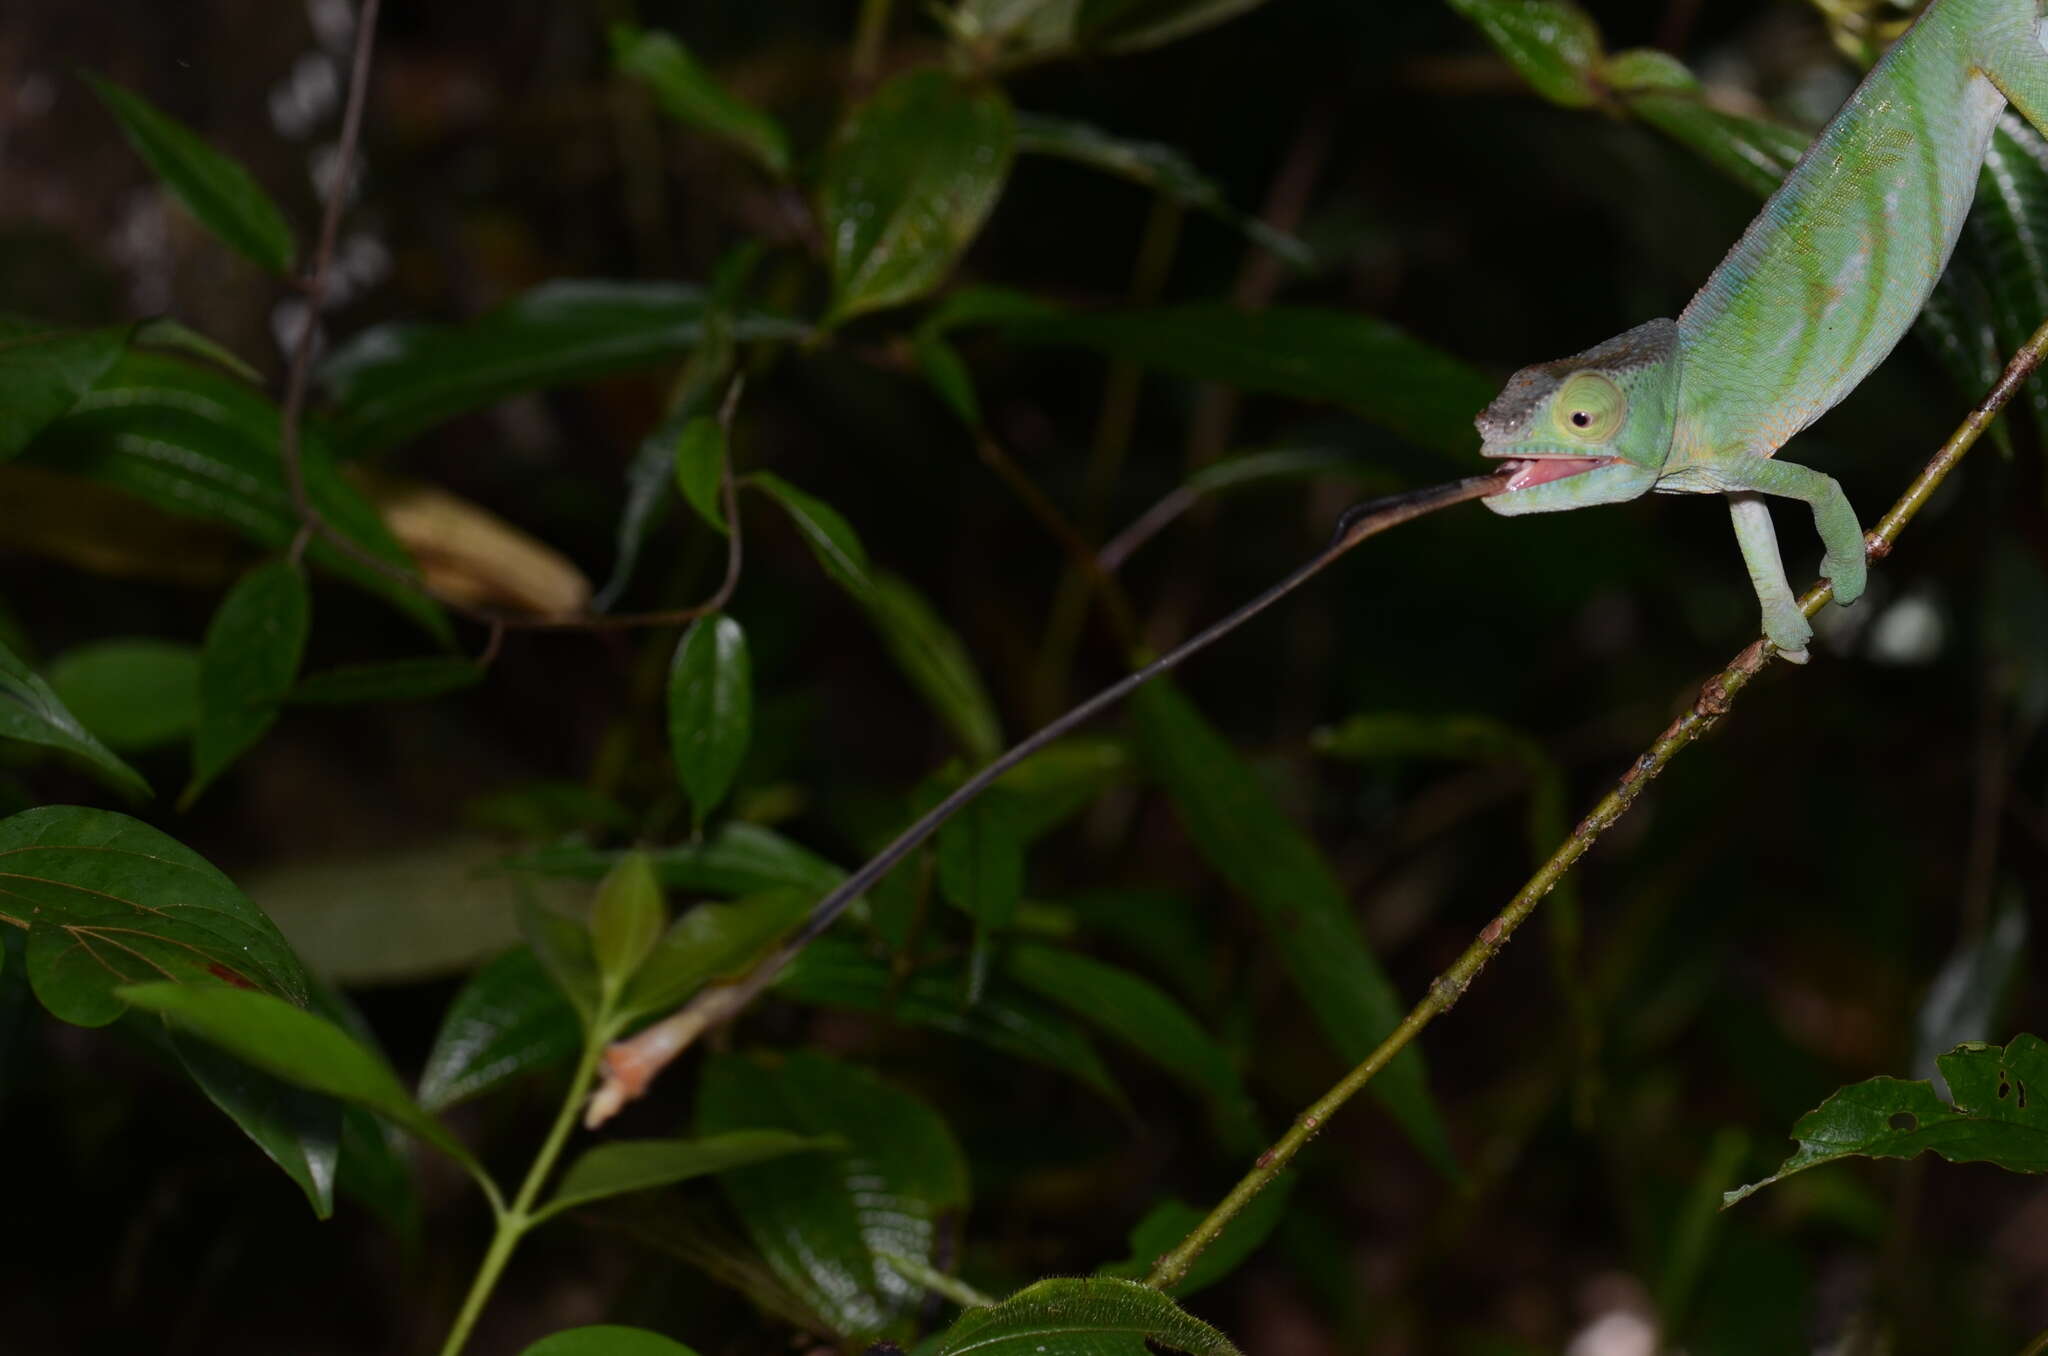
(1095, 1316)
(108, 901)
(1999, 1116)
(31, 712)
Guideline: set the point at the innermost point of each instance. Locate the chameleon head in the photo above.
(1594, 428)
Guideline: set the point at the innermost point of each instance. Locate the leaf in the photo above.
(32, 713)
(134, 694)
(830, 536)
(1167, 1223)
(626, 921)
(607, 1339)
(376, 1169)
(1555, 45)
(930, 654)
(1364, 365)
(394, 381)
(396, 680)
(1062, 779)
(563, 947)
(623, 1166)
(253, 647)
(300, 1047)
(688, 93)
(213, 187)
(738, 859)
(44, 371)
(1159, 167)
(109, 900)
(821, 1218)
(712, 941)
(838, 974)
(509, 1019)
(300, 1131)
(1755, 153)
(1999, 1115)
(981, 860)
(1232, 821)
(700, 466)
(906, 185)
(2006, 239)
(1095, 1316)
(173, 337)
(710, 710)
(1141, 1015)
(947, 372)
(1133, 25)
(203, 445)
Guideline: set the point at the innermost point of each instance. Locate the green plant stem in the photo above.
(869, 30)
(515, 1220)
(1714, 701)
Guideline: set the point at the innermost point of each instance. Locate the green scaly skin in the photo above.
(1819, 289)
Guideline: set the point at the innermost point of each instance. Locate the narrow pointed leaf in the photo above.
(563, 947)
(215, 188)
(108, 901)
(831, 538)
(947, 372)
(396, 680)
(1095, 1316)
(1553, 43)
(981, 860)
(31, 712)
(607, 1339)
(376, 1169)
(711, 941)
(700, 466)
(509, 1019)
(252, 652)
(738, 859)
(1167, 1223)
(930, 654)
(710, 710)
(626, 920)
(907, 184)
(623, 1166)
(299, 1130)
(688, 93)
(1133, 25)
(43, 373)
(133, 694)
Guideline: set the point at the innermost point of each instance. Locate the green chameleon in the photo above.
(1819, 289)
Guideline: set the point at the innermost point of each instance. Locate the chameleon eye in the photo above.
(1590, 408)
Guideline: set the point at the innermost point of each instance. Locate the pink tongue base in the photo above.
(1543, 470)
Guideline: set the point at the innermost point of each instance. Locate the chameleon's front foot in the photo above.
(1787, 628)
(1848, 574)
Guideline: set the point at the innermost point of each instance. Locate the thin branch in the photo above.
(1714, 701)
(631, 1065)
(1115, 605)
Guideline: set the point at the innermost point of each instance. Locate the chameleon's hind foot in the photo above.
(1848, 575)
(1789, 630)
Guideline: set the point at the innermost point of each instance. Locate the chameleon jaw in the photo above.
(1528, 472)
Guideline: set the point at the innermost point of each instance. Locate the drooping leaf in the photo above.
(607, 1339)
(395, 680)
(251, 656)
(30, 711)
(509, 1019)
(300, 1047)
(1999, 1115)
(394, 381)
(710, 710)
(173, 336)
(1092, 1316)
(44, 371)
(201, 444)
(1167, 1223)
(909, 179)
(711, 941)
(738, 859)
(1553, 43)
(134, 694)
(299, 1130)
(831, 538)
(376, 1169)
(626, 921)
(688, 93)
(700, 465)
(930, 654)
(214, 188)
(821, 1218)
(1159, 167)
(622, 1166)
(109, 901)
(1232, 821)
(1133, 25)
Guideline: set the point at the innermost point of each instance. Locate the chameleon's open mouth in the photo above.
(1525, 473)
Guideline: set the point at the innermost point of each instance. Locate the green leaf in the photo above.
(200, 444)
(300, 1047)
(1062, 779)
(173, 337)
(623, 1166)
(688, 93)
(930, 654)
(31, 712)
(821, 1218)
(947, 372)
(1159, 167)
(1554, 44)
(710, 710)
(1140, 1015)
(109, 900)
(907, 183)
(44, 371)
(1096, 1316)
(700, 466)
(298, 1129)
(712, 941)
(1133, 25)
(626, 921)
(738, 859)
(213, 187)
(607, 1339)
(981, 860)
(509, 1019)
(563, 946)
(396, 680)
(376, 1169)
(1032, 26)
(253, 647)
(1364, 365)
(134, 694)
(1167, 1223)
(394, 381)
(1755, 153)
(838, 974)
(1999, 1116)
(831, 538)
(1232, 821)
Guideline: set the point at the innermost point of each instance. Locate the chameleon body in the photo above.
(1819, 289)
